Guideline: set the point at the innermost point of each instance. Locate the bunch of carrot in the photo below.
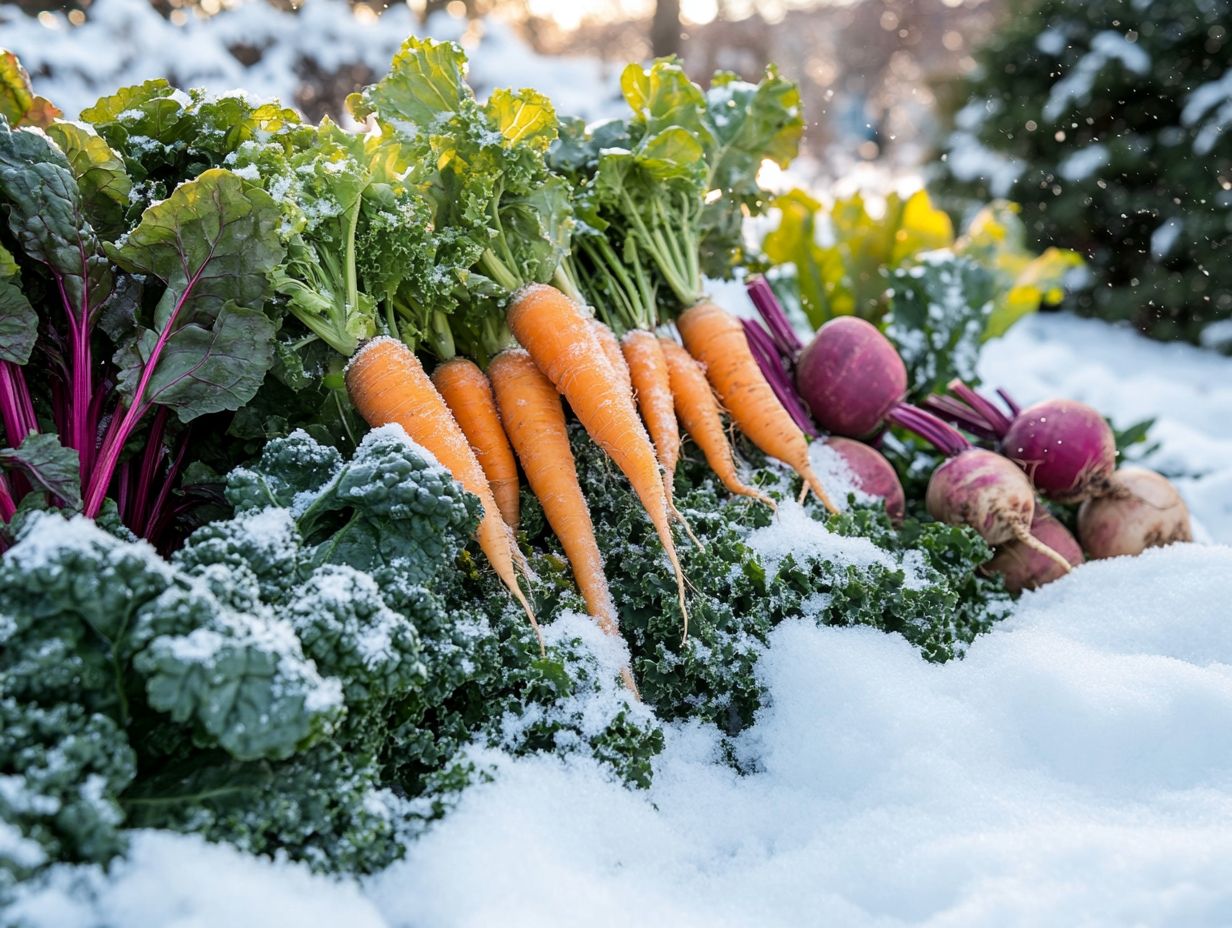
(482, 425)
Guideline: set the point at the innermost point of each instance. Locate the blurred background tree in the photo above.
(1107, 120)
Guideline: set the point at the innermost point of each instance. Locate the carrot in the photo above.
(717, 340)
(535, 420)
(652, 387)
(468, 395)
(653, 391)
(699, 412)
(387, 384)
(563, 345)
(611, 350)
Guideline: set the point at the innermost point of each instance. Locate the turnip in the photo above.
(849, 376)
(874, 474)
(1066, 447)
(1024, 568)
(975, 487)
(1140, 509)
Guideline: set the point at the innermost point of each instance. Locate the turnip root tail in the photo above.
(1023, 534)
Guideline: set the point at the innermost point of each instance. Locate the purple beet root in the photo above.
(1140, 509)
(1066, 448)
(873, 473)
(850, 376)
(1024, 568)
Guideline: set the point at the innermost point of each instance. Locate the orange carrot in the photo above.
(611, 350)
(387, 384)
(468, 395)
(558, 336)
(652, 386)
(717, 340)
(699, 413)
(531, 410)
(653, 391)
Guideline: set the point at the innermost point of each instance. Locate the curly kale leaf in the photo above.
(931, 596)
(350, 633)
(389, 508)
(941, 308)
(245, 680)
(61, 769)
(324, 807)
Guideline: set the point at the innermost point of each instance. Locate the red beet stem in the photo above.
(995, 418)
(771, 310)
(945, 438)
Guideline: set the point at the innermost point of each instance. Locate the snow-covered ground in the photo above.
(1073, 769)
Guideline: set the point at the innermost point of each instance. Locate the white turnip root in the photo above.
(1140, 509)
(975, 487)
(874, 474)
(1024, 568)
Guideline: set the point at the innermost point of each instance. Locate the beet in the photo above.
(850, 376)
(1067, 448)
(874, 474)
(1140, 509)
(975, 487)
(1024, 568)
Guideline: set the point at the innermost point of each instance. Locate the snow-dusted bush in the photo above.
(1108, 121)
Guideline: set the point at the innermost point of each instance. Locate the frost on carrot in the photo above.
(387, 384)
(468, 394)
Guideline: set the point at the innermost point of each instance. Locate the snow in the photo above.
(797, 533)
(1083, 162)
(971, 160)
(178, 881)
(125, 42)
(1076, 86)
(1209, 105)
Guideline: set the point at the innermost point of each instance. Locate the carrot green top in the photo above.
(501, 218)
(668, 187)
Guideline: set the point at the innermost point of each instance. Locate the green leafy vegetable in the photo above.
(208, 344)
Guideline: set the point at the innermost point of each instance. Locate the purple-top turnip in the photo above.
(975, 487)
(1140, 509)
(873, 473)
(1066, 447)
(1024, 568)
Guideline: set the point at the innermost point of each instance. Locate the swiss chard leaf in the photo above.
(101, 176)
(18, 320)
(48, 218)
(213, 243)
(49, 465)
(18, 102)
